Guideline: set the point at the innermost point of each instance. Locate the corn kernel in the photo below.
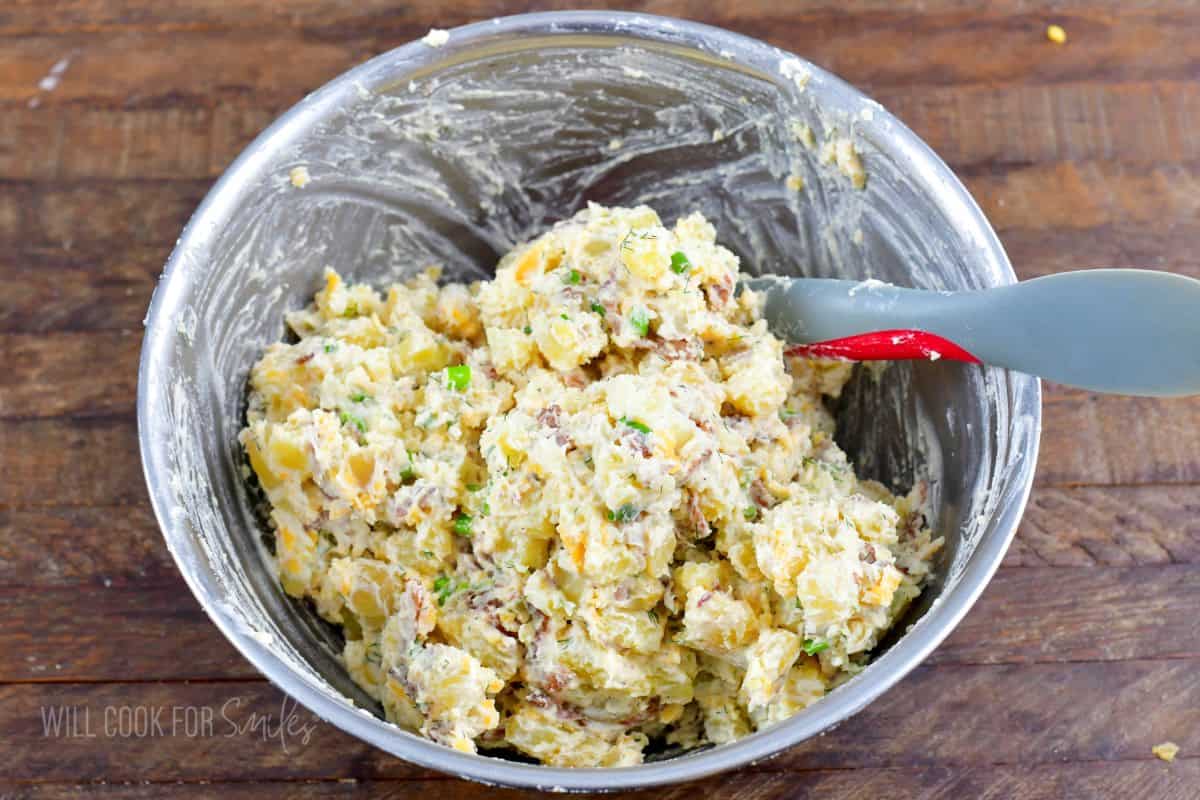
(1056, 34)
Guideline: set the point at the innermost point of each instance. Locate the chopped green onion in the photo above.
(679, 262)
(751, 513)
(628, 512)
(528, 330)
(351, 419)
(799, 605)
(573, 277)
(459, 377)
(409, 473)
(599, 309)
(786, 413)
(564, 316)
(639, 321)
(473, 487)
(814, 646)
(358, 397)
(351, 310)
(653, 615)
(443, 587)
(633, 423)
(427, 553)
(462, 524)
(329, 348)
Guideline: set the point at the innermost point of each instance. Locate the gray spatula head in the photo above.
(1123, 331)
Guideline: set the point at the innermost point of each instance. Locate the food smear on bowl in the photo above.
(581, 507)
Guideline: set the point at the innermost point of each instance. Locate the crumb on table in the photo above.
(1166, 751)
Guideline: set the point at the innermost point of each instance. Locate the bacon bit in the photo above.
(912, 525)
(305, 359)
(885, 346)
(636, 441)
(696, 515)
(570, 713)
(691, 468)
(645, 715)
(740, 424)
(718, 294)
(704, 598)
(868, 554)
(677, 349)
(550, 416)
(556, 681)
(760, 495)
(422, 498)
(576, 379)
(482, 600)
(494, 737)
(425, 498)
(500, 625)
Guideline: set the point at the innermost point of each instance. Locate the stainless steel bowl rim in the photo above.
(842, 703)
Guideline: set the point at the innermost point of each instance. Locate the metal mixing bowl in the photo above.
(453, 154)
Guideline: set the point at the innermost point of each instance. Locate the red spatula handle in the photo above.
(885, 346)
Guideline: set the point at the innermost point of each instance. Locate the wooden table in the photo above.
(117, 115)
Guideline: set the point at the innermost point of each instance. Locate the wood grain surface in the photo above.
(1083, 652)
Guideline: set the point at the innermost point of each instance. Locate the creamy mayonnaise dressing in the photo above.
(582, 505)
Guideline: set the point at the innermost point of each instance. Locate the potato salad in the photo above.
(585, 506)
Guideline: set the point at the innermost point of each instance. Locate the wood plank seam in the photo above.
(764, 769)
(942, 666)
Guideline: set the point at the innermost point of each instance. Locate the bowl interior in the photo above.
(452, 155)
